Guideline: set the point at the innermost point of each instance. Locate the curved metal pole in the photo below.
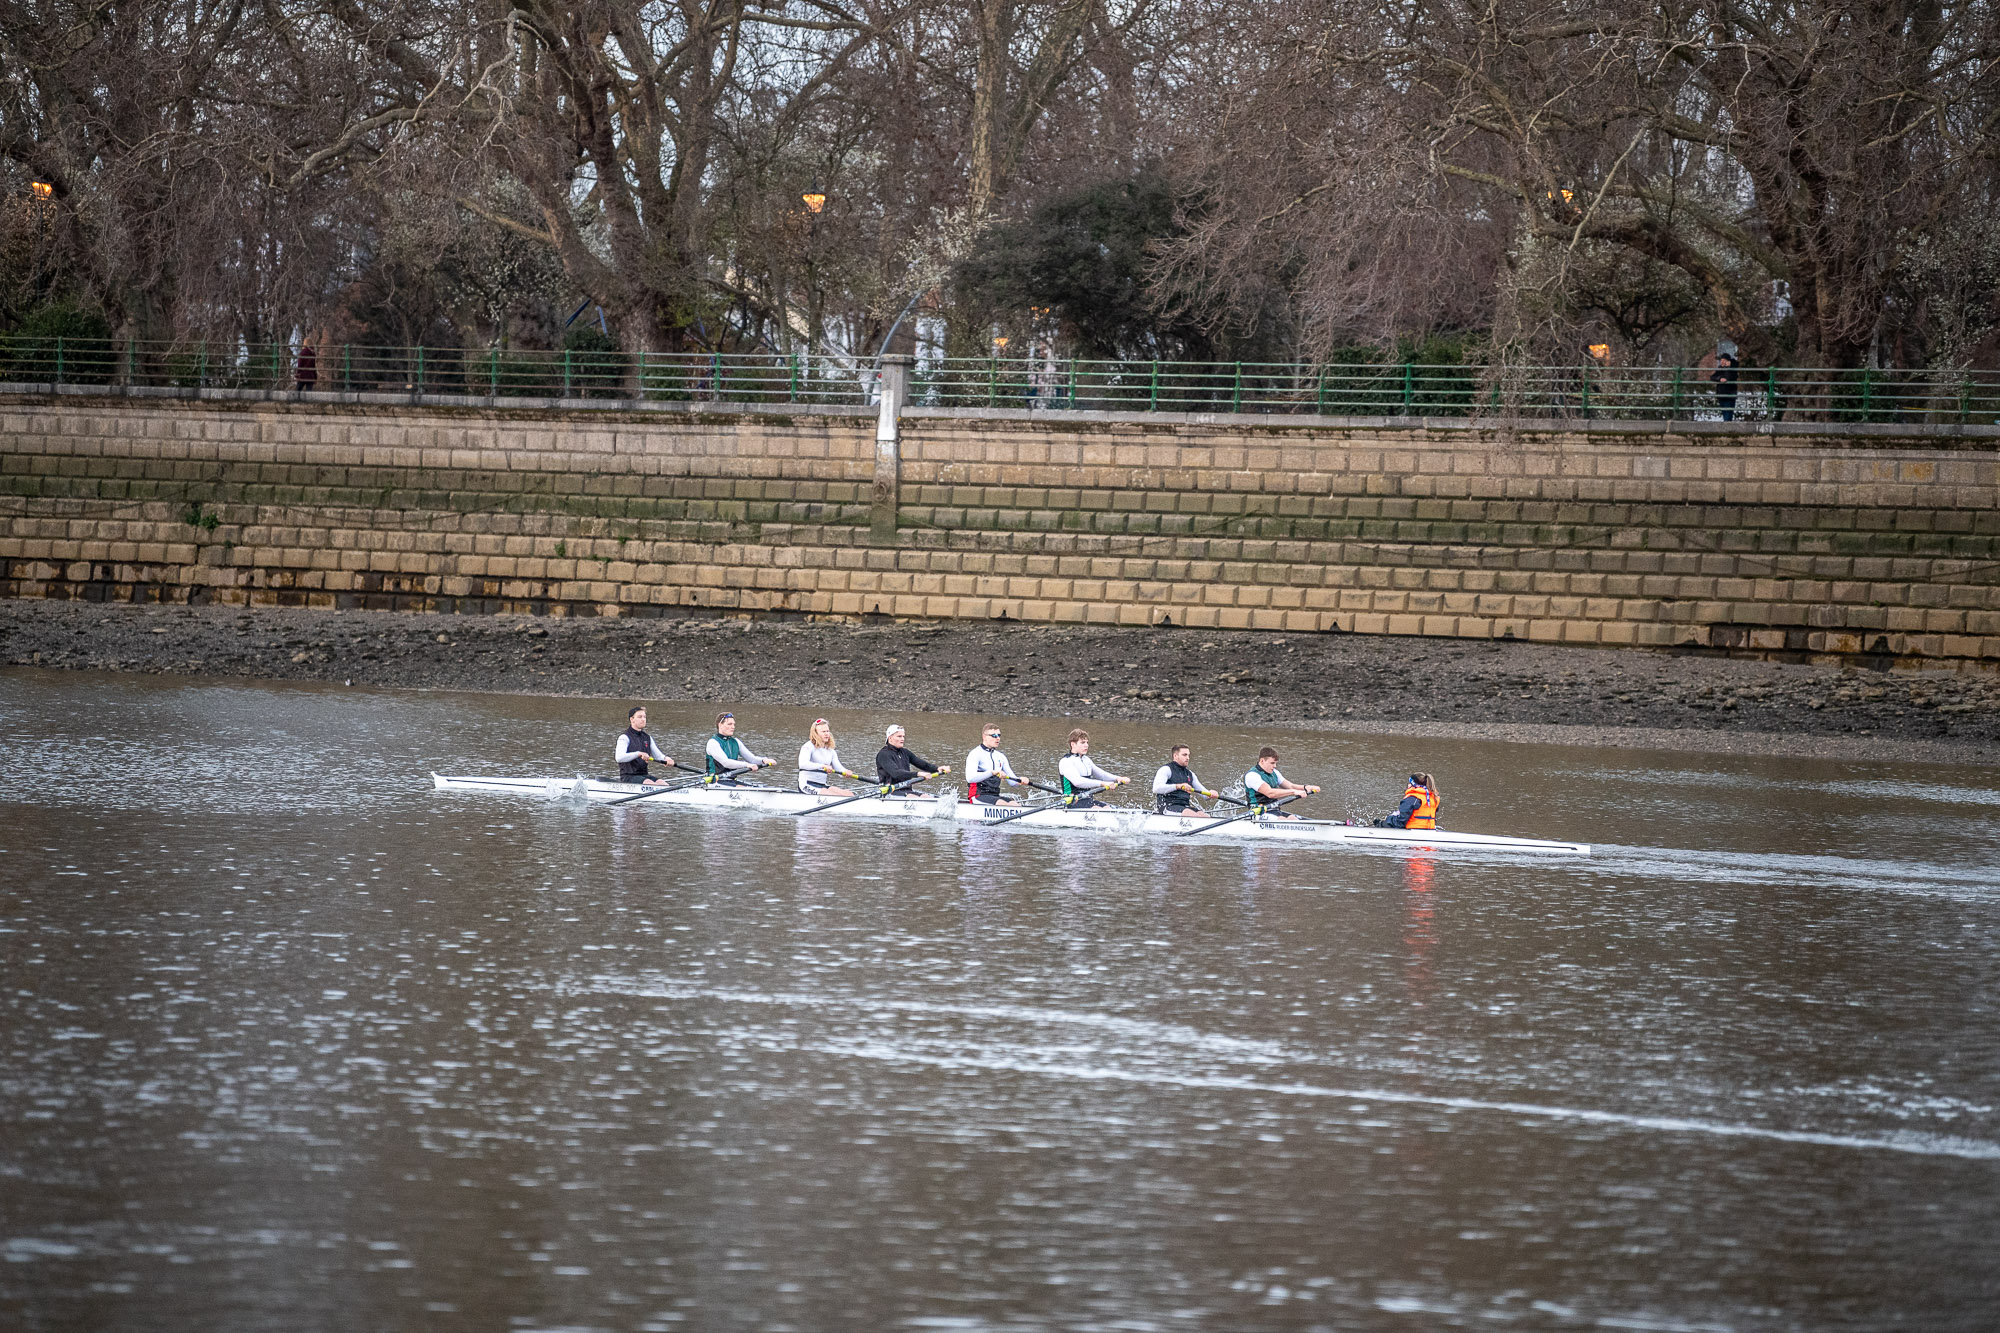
(879, 351)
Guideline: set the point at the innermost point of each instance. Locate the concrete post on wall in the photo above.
(886, 496)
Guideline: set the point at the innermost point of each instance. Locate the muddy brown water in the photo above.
(288, 1040)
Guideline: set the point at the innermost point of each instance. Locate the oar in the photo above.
(1233, 800)
(1033, 810)
(665, 787)
(1023, 782)
(1065, 802)
(1252, 813)
(1211, 795)
(734, 776)
(1058, 791)
(882, 790)
(705, 780)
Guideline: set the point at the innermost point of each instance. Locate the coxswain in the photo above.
(1082, 779)
(1175, 786)
(896, 763)
(819, 761)
(635, 747)
(729, 758)
(1264, 785)
(986, 768)
(1419, 807)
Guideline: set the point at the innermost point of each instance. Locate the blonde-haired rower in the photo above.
(820, 761)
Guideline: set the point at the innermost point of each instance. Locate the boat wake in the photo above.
(1690, 866)
(1154, 1054)
(1914, 1142)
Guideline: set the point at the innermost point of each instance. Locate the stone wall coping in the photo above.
(1951, 436)
(476, 404)
(1854, 434)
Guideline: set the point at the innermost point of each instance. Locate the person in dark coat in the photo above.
(1724, 377)
(896, 763)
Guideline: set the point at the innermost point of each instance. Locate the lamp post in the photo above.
(41, 214)
(815, 200)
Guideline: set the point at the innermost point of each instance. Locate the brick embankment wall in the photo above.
(1806, 542)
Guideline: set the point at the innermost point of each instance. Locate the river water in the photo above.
(289, 1040)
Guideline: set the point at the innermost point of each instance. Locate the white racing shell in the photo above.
(945, 805)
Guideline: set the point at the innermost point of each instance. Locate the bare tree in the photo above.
(1742, 146)
(106, 104)
(610, 114)
(1815, 181)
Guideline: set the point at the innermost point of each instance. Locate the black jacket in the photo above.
(895, 764)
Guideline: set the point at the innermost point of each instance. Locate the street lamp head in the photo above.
(815, 201)
(43, 189)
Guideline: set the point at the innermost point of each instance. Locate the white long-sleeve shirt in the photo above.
(626, 754)
(1164, 785)
(983, 763)
(1083, 774)
(814, 760)
(749, 760)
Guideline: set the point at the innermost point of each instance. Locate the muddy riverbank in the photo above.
(1414, 686)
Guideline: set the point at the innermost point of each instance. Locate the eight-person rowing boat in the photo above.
(1077, 803)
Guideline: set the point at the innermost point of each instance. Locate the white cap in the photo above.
(894, 727)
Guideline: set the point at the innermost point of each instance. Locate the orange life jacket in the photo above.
(1425, 816)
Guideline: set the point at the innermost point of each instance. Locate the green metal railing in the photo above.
(1638, 393)
(1611, 393)
(489, 372)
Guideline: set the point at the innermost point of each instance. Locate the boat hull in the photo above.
(945, 806)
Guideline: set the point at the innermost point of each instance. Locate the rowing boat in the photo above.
(946, 806)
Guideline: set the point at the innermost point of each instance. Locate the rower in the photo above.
(896, 763)
(986, 768)
(635, 747)
(729, 758)
(1264, 784)
(819, 761)
(1082, 779)
(1419, 807)
(1175, 785)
